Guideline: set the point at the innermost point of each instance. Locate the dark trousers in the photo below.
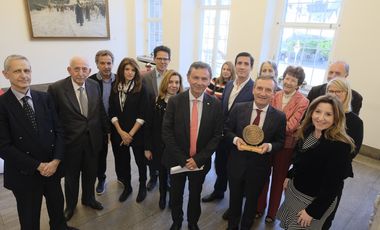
(280, 162)
(177, 183)
(221, 157)
(123, 162)
(330, 218)
(246, 173)
(80, 159)
(29, 204)
(102, 160)
(163, 178)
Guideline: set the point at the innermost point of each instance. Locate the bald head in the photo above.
(338, 69)
(79, 69)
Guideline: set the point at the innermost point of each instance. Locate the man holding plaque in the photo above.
(256, 130)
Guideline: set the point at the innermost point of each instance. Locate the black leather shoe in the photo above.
(226, 214)
(100, 187)
(162, 202)
(94, 205)
(68, 213)
(193, 227)
(213, 196)
(125, 194)
(151, 183)
(142, 193)
(176, 226)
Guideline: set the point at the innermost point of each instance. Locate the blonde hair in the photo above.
(337, 131)
(231, 66)
(343, 85)
(165, 83)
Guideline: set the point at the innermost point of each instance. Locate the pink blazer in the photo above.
(294, 111)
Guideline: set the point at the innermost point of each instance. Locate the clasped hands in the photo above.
(263, 147)
(126, 138)
(48, 169)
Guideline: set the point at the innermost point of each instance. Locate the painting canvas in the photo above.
(68, 18)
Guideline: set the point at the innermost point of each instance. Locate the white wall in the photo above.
(357, 42)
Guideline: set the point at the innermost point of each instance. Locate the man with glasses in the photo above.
(337, 69)
(80, 109)
(152, 81)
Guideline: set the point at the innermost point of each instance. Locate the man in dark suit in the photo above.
(192, 128)
(104, 62)
(247, 170)
(32, 146)
(337, 69)
(152, 81)
(80, 109)
(236, 91)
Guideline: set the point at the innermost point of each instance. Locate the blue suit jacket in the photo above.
(274, 125)
(244, 95)
(21, 147)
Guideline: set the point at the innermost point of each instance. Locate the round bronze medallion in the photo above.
(253, 134)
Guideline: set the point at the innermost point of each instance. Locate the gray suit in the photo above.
(83, 137)
(150, 82)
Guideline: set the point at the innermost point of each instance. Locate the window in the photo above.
(154, 20)
(308, 31)
(215, 23)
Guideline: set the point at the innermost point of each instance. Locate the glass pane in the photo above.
(309, 48)
(154, 8)
(225, 2)
(209, 2)
(155, 35)
(313, 11)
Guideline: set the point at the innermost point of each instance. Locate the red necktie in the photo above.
(257, 119)
(194, 128)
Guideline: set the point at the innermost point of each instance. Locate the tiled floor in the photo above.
(353, 214)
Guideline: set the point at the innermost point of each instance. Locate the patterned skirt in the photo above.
(294, 202)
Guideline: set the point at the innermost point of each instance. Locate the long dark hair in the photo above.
(120, 79)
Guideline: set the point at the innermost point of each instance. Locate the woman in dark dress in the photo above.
(322, 156)
(342, 90)
(154, 146)
(128, 105)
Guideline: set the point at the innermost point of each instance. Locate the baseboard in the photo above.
(370, 152)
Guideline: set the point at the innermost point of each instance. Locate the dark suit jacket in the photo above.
(74, 123)
(100, 81)
(176, 131)
(135, 106)
(244, 95)
(21, 147)
(319, 90)
(274, 126)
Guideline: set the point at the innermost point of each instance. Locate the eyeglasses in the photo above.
(162, 59)
(336, 92)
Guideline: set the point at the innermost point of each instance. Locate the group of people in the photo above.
(323, 176)
(66, 132)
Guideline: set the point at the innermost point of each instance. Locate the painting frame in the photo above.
(68, 19)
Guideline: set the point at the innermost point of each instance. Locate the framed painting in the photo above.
(68, 18)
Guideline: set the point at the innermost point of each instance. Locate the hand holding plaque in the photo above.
(252, 135)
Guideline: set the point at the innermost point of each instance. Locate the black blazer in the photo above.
(21, 147)
(74, 123)
(135, 106)
(356, 101)
(176, 131)
(274, 125)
